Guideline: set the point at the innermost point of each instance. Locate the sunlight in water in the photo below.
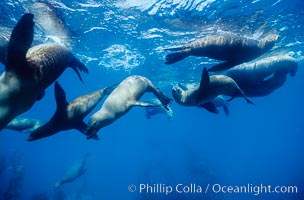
(120, 57)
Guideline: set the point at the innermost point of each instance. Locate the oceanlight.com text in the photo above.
(166, 189)
(254, 189)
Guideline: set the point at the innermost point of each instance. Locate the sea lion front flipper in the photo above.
(143, 104)
(222, 66)
(226, 110)
(108, 90)
(182, 86)
(174, 48)
(177, 56)
(20, 41)
(210, 107)
(205, 81)
(60, 97)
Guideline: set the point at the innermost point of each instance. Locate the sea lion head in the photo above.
(179, 94)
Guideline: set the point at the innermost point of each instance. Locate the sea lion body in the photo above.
(25, 125)
(121, 100)
(209, 88)
(50, 19)
(77, 170)
(69, 115)
(231, 48)
(49, 61)
(29, 72)
(263, 76)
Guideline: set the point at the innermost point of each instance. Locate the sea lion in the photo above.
(50, 20)
(230, 48)
(263, 76)
(29, 72)
(77, 170)
(70, 115)
(121, 100)
(151, 111)
(25, 125)
(208, 89)
(49, 61)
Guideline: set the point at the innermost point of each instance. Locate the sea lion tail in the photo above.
(177, 56)
(77, 66)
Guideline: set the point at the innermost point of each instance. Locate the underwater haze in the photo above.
(256, 145)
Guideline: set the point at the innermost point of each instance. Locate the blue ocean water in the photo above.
(257, 144)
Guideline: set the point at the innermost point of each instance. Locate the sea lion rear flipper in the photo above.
(82, 127)
(222, 66)
(20, 41)
(210, 107)
(77, 66)
(163, 99)
(226, 110)
(243, 95)
(176, 56)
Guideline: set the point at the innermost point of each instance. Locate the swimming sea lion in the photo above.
(77, 170)
(121, 100)
(209, 88)
(25, 125)
(48, 62)
(29, 72)
(263, 76)
(50, 19)
(70, 115)
(231, 48)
